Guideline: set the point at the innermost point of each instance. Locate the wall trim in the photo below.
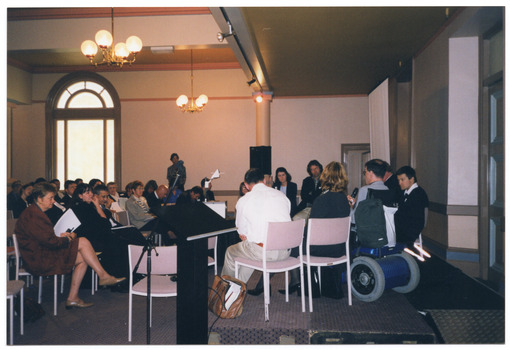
(457, 210)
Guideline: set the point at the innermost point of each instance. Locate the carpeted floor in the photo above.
(442, 292)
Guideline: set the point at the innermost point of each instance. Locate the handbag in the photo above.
(331, 282)
(223, 290)
(316, 291)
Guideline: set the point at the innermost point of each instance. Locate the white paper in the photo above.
(389, 213)
(232, 294)
(68, 222)
(116, 207)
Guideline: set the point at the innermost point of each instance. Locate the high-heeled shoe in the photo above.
(292, 289)
(79, 304)
(110, 281)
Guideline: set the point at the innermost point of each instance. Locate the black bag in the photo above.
(331, 282)
(32, 311)
(316, 291)
(371, 223)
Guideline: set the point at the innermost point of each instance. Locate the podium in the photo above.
(193, 223)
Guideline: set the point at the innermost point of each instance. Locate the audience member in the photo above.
(410, 216)
(22, 202)
(242, 189)
(112, 191)
(56, 211)
(69, 187)
(45, 253)
(138, 209)
(190, 196)
(78, 181)
(59, 194)
(284, 184)
(177, 168)
(14, 196)
(94, 182)
(310, 189)
(174, 194)
(150, 187)
(209, 194)
(157, 197)
(255, 210)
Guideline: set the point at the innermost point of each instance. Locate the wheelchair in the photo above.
(375, 270)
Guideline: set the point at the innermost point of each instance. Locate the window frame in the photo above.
(53, 114)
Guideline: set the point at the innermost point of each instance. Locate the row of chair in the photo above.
(288, 235)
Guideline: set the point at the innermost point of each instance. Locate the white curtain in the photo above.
(379, 122)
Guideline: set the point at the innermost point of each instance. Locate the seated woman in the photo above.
(331, 203)
(283, 183)
(138, 209)
(45, 253)
(23, 201)
(149, 188)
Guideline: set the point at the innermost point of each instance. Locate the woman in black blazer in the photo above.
(283, 183)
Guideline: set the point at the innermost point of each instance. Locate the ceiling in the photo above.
(291, 51)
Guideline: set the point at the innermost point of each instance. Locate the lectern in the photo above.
(193, 223)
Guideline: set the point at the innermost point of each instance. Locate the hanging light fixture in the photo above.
(113, 54)
(194, 105)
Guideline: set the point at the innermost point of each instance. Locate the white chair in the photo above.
(13, 288)
(327, 232)
(123, 218)
(20, 271)
(213, 244)
(280, 235)
(162, 265)
(10, 214)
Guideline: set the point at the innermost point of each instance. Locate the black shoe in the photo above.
(258, 291)
(292, 289)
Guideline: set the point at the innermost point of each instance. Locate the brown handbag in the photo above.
(217, 297)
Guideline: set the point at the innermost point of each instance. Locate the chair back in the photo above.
(10, 214)
(162, 264)
(122, 202)
(328, 231)
(16, 250)
(123, 218)
(211, 242)
(284, 235)
(11, 224)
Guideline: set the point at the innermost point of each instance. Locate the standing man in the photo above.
(311, 187)
(391, 181)
(255, 209)
(410, 216)
(177, 167)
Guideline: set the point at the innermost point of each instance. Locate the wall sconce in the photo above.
(221, 36)
(258, 97)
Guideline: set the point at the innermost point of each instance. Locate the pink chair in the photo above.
(280, 235)
(162, 265)
(327, 232)
(212, 243)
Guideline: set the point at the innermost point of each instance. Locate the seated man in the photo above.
(69, 187)
(374, 174)
(410, 216)
(255, 209)
(157, 197)
(190, 196)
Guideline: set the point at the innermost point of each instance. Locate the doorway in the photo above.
(354, 157)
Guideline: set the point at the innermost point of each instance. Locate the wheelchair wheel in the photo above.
(414, 274)
(367, 279)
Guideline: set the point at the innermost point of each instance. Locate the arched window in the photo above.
(83, 129)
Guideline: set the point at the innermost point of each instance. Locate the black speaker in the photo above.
(260, 157)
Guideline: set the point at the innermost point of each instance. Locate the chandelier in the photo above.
(194, 105)
(113, 54)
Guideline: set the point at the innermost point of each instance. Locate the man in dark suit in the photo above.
(410, 216)
(391, 181)
(311, 187)
(69, 187)
(157, 198)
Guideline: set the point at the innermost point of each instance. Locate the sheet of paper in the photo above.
(68, 222)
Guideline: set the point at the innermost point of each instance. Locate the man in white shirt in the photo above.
(254, 211)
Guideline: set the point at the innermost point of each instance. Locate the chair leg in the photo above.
(309, 270)
(349, 291)
(286, 286)
(265, 275)
(11, 317)
(21, 312)
(62, 284)
(302, 279)
(55, 289)
(93, 282)
(39, 298)
(130, 320)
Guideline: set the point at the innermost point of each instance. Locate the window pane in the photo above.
(85, 149)
(110, 151)
(107, 99)
(61, 152)
(85, 100)
(76, 87)
(89, 85)
(63, 99)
